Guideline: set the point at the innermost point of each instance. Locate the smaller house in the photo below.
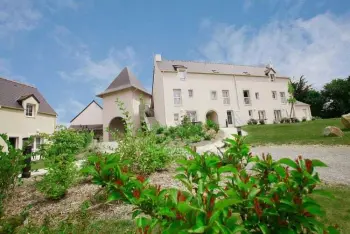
(302, 111)
(24, 112)
(90, 118)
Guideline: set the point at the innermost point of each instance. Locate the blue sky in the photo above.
(72, 49)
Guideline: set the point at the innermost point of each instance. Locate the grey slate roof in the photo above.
(214, 68)
(125, 79)
(13, 92)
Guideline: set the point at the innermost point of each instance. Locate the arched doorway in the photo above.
(116, 128)
(213, 116)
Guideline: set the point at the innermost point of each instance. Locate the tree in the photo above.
(301, 88)
(337, 94)
(291, 98)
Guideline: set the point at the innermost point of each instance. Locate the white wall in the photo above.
(203, 84)
(302, 111)
(158, 96)
(90, 116)
(16, 124)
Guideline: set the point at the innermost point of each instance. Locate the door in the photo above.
(230, 119)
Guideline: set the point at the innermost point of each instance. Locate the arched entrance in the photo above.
(213, 116)
(116, 128)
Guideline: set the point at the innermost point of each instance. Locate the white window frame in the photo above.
(283, 97)
(274, 95)
(176, 117)
(247, 100)
(257, 95)
(226, 96)
(213, 95)
(272, 77)
(190, 93)
(262, 113)
(30, 112)
(192, 115)
(177, 97)
(250, 113)
(181, 73)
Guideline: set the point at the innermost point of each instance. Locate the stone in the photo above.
(332, 131)
(345, 120)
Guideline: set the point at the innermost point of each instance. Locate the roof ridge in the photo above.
(15, 81)
(194, 61)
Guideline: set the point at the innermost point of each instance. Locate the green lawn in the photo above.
(337, 208)
(39, 164)
(304, 133)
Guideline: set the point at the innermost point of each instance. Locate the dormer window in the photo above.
(272, 77)
(181, 71)
(30, 110)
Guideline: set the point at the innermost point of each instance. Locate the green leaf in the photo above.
(227, 168)
(333, 230)
(224, 203)
(288, 162)
(280, 171)
(263, 228)
(314, 210)
(318, 163)
(142, 222)
(197, 230)
(184, 207)
(253, 193)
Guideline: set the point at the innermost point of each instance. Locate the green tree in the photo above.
(316, 100)
(337, 92)
(291, 98)
(301, 88)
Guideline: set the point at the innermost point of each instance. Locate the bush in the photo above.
(294, 120)
(11, 165)
(252, 122)
(274, 198)
(303, 119)
(262, 122)
(285, 120)
(160, 130)
(315, 118)
(210, 124)
(59, 154)
(195, 139)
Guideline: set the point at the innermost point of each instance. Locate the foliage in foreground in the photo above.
(11, 165)
(59, 155)
(221, 195)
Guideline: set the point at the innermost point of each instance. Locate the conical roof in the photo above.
(125, 79)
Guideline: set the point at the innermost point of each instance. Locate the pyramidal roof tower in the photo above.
(125, 79)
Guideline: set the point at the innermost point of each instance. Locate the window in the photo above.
(176, 117)
(272, 77)
(213, 95)
(274, 94)
(278, 115)
(246, 96)
(190, 93)
(283, 97)
(262, 115)
(250, 112)
(177, 96)
(30, 110)
(257, 95)
(181, 74)
(192, 115)
(226, 96)
(37, 142)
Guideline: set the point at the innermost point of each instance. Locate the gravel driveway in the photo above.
(336, 157)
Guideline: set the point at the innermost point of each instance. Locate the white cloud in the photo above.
(67, 109)
(96, 72)
(318, 48)
(17, 15)
(5, 71)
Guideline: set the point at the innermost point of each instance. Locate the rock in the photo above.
(345, 120)
(332, 131)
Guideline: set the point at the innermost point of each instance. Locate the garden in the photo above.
(151, 187)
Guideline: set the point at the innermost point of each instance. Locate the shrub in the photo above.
(11, 165)
(160, 130)
(195, 139)
(315, 118)
(294, 120)
(59, 154)
(262, 122)
(210, 124)
(285, 120)
(252, 122)
(222, 195)
(303, 119)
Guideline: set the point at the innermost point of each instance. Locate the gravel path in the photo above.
(336, 157)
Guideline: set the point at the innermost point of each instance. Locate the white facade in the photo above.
(234, 97)
(91, 115)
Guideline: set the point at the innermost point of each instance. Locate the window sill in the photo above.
(247, 104)
(31, 117)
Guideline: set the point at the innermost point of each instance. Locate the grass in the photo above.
(39, 164)
(337, 208)
(304, 133)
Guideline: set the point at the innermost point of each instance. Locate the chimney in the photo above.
(158, 58)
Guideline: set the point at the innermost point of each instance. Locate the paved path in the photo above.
(336, 157)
